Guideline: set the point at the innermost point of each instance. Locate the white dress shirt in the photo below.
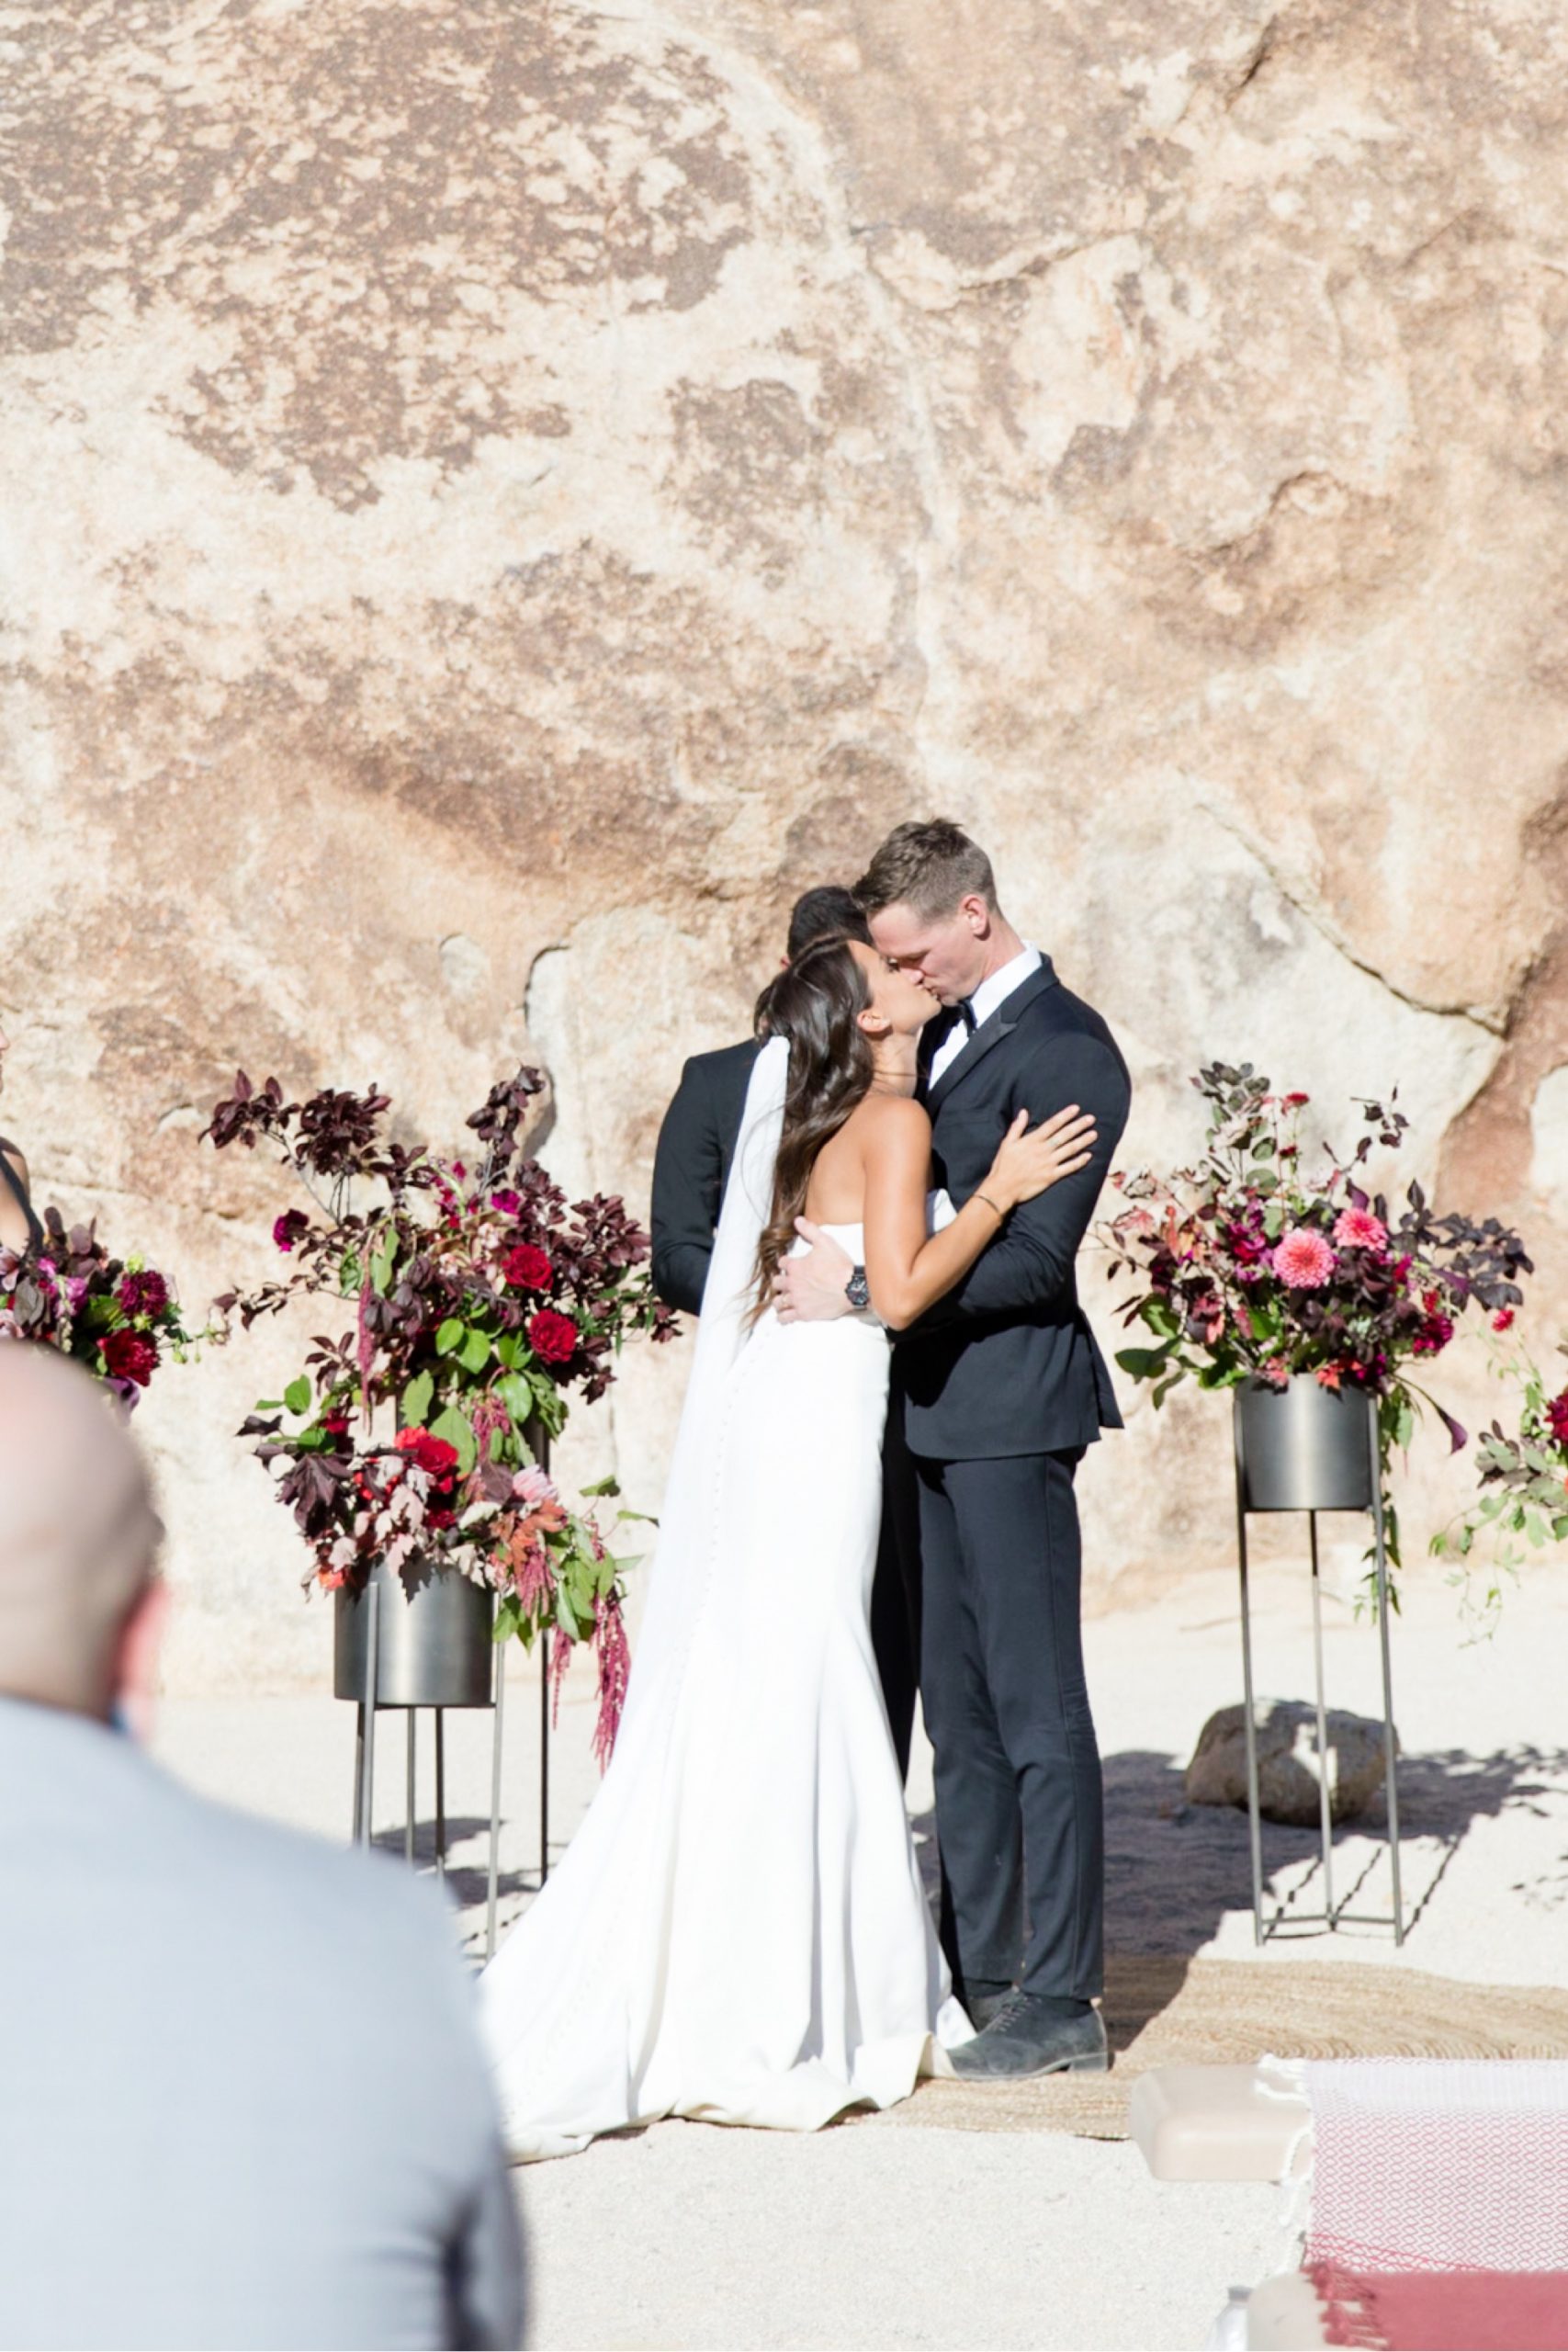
(992, 991)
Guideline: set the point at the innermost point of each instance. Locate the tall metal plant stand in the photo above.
(1305, 1448)
(441, 1643)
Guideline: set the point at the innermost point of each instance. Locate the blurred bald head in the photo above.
(78, 1533)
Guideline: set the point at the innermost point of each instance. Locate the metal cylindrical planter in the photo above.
(434, 1647)
(1304, 1447)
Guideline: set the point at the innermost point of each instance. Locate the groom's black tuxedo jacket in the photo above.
(690, 1167)
(1006, 1364)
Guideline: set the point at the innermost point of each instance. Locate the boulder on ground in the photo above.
(1287, 1774)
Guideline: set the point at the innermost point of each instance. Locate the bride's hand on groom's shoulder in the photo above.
(810, 1289)
(1030, 1159)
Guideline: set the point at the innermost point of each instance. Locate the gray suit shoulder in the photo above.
(1065, 1015)
(721, 1063)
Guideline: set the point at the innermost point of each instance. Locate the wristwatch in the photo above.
(857, 1290)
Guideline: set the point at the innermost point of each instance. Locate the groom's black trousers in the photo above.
(896, 1592)
(1018, 1802)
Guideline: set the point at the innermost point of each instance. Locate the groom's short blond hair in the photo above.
(930, 867)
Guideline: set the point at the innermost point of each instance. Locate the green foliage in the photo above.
(1522, 1507)
(458, 1431)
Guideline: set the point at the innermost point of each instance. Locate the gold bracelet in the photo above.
(990, 1205)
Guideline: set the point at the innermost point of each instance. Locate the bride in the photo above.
(738, 1932)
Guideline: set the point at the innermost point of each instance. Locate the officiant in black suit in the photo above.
(1000, 1388)
(691, 1167)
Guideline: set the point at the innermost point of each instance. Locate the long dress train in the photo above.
(738, 1931)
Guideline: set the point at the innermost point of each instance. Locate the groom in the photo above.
(1000, 1388)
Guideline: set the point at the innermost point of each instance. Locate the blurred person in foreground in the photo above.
(242, 2100)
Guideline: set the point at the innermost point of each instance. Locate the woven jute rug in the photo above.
(1177, 2012)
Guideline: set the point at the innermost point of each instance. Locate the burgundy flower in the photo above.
(130, 1355)
(1557, 1418)
(526, 1268)
(143, 1294)
(1436, 1332)
(288, 1229)
(1503, 1318)
(552, 1337)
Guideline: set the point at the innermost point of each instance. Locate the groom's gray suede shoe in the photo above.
(1028, 2036)
(981, 2007)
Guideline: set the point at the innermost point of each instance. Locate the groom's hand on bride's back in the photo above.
(810, 1289)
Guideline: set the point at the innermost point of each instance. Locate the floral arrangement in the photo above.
(117, 1315)
(480, 1302)
(1251, 1267)
(1523, 1476)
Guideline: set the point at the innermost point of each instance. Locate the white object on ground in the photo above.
(1216, 2123)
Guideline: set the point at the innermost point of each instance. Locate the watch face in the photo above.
(857, 1290)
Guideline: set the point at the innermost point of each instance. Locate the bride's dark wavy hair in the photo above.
(814, 1004)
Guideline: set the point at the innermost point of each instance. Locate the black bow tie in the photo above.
(966, 1015)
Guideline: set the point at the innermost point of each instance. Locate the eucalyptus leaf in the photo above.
(474, 1353)
(416, 1400)
(296, 1396)
(450, 1337)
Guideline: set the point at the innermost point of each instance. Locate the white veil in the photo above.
(687, 1550)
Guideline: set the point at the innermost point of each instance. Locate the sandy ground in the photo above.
(691, 2235)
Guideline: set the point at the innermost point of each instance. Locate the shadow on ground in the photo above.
(1173, 1870)
(468, 1882)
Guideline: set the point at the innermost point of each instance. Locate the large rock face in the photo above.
(498, 499)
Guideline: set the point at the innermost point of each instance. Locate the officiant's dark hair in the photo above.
(814, 1003)
(928, 866)
(828, 913)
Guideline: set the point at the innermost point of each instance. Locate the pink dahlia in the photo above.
(532, 1486)
(1303, 1259)
(1359, 1229)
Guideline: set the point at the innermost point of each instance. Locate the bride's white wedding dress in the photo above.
(739, 1931)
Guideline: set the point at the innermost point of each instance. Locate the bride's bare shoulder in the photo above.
(893, 1120)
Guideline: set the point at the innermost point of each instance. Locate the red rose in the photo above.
(130, 1355)
(433, 1455)
(526, 1268)
(552, 1337)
